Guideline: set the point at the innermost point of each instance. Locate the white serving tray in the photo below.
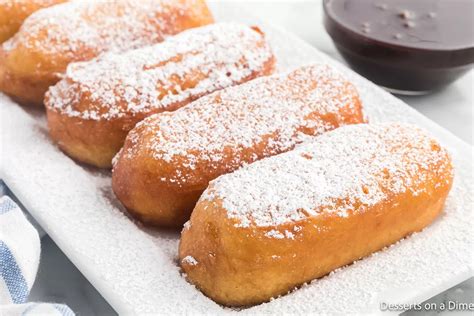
(136, 270)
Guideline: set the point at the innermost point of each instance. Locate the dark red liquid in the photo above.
(405, 45)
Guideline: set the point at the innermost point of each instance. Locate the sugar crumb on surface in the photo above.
(189, 260)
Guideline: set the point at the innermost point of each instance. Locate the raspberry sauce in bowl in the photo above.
(405, 46)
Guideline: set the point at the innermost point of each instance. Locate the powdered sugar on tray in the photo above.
(271, 112)
(164, 76)
(92, 27)
(345, 170)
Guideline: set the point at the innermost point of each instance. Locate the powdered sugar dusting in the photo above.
(318, 177)
(271, 112)
(137, 277)
(81, 29)
(184, 67)
(28, 6)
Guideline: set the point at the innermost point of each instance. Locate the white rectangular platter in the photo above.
(136, 270)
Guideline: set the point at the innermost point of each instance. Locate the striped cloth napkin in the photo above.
(19, 260)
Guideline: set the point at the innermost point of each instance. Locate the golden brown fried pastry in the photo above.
(271, 226)
(92, 109)
(169, 158)
(50, 39)
(14, 12)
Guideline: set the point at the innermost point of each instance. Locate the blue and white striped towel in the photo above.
(19, 260)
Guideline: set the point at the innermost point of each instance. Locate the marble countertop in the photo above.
(59, 281)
